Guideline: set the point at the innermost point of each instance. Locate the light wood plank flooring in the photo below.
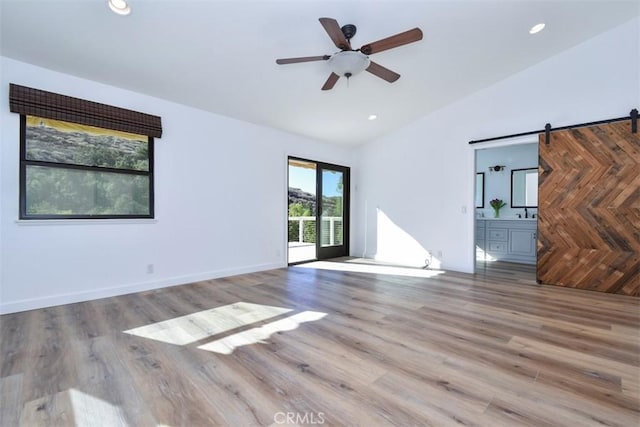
(310, 346)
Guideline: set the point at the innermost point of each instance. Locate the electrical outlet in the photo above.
(150, 268)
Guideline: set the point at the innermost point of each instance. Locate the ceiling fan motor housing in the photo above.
(349, 31)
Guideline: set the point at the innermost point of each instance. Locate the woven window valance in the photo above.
(49, 105)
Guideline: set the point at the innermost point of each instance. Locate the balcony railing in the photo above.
(302, 229)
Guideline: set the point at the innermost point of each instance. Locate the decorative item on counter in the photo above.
(497, 204)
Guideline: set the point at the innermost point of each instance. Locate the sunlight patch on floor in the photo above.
(198, 326)
(229, 343)
(88, 409)
(372, 269)
(72, 407)
(194, 327)
(481, 255)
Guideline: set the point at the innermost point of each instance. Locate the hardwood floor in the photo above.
(513, 272)
(308, 346)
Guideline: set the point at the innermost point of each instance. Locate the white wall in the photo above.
(498, 184)
(220, 204)
(422, 176)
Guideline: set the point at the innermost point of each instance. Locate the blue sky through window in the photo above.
(302, 178)
(305, 179)
(330, 182)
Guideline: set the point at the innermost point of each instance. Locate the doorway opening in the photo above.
(505, 241)
(317, 211)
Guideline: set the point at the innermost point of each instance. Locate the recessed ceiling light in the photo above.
(372, 117)
(120, 7)
(537, 28)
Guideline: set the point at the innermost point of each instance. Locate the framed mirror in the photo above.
(524, 188)
(480, 190)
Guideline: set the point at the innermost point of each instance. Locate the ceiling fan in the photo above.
(349, 62)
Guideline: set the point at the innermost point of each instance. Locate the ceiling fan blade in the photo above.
(383, 73)
(399, 39)
(331, 81)
(332, 28)
(283, 61)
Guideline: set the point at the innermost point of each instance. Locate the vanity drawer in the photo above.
(498, 234)
(498, 247)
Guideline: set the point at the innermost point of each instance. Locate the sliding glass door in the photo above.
(318, 210)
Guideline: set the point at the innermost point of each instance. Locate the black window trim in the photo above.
(23, 180)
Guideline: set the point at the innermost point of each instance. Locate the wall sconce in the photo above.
(496, 168)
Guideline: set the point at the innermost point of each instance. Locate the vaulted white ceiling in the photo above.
(220, 55)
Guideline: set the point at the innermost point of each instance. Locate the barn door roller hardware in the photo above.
(547, 129)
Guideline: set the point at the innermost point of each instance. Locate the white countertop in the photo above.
(515, 218)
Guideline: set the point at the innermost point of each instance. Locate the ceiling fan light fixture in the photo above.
(119, 6)
(537, 28)
(348, 63)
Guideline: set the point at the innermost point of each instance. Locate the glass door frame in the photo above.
(326, 252)
(329, 251)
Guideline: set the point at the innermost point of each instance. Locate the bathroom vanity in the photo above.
(512, 240)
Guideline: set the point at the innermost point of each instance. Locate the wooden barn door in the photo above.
(589, 209)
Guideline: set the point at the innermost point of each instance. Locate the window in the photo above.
(71, 170)
(83, 159)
